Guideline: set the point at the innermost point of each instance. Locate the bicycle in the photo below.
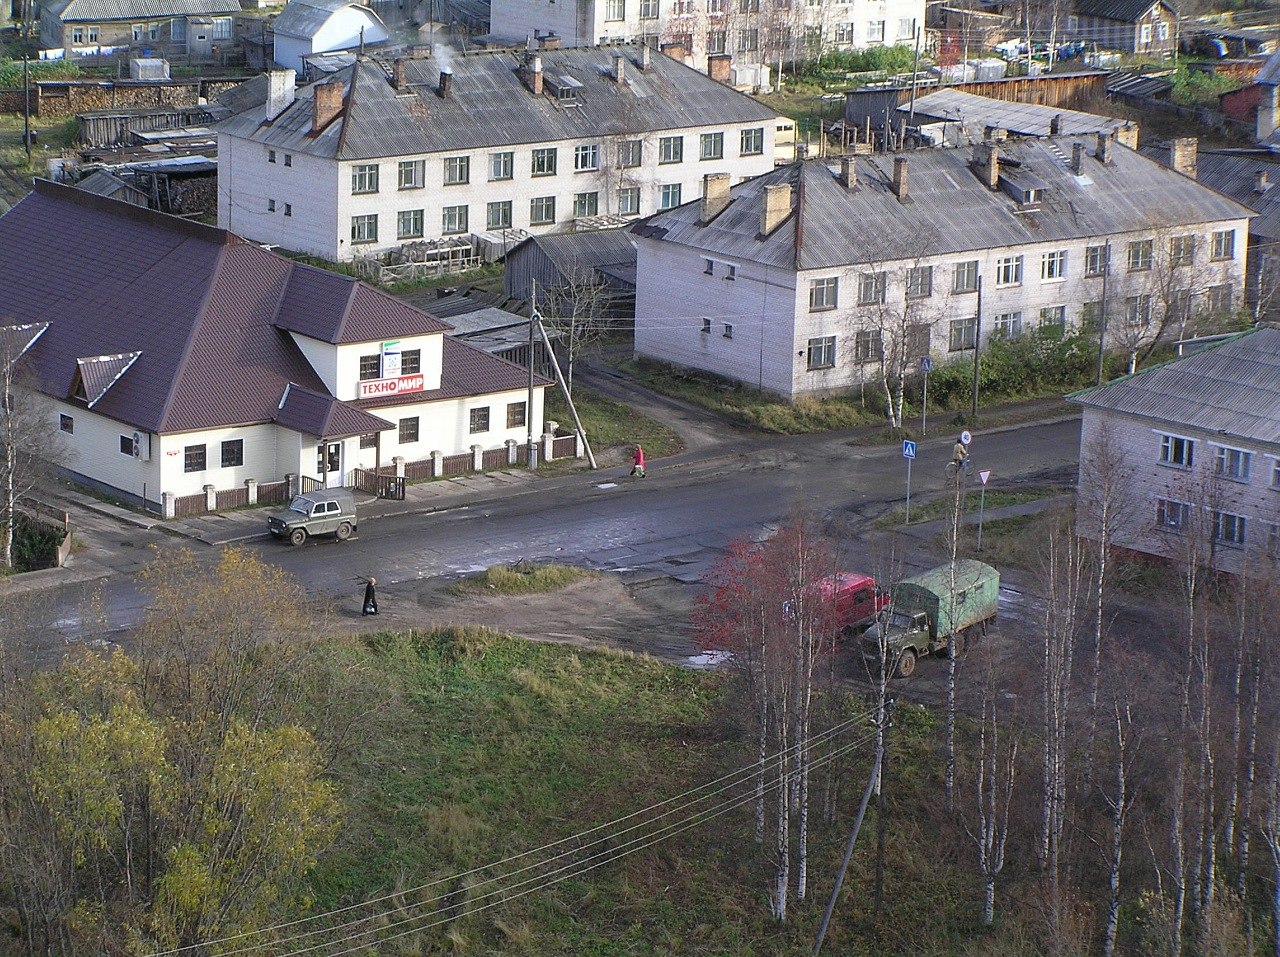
(957, 472)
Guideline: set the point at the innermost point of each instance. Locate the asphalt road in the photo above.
(675, 522)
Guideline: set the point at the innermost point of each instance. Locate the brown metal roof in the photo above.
(203, 307)
(321, 415)
(99, 373)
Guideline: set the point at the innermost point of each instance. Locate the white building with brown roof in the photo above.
(181, 359)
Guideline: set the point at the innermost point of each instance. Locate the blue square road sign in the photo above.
(908, 449)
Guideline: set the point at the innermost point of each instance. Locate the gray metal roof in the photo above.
(1028, 119)
(305, 18)
(487, 320)
(574, 253)
(1233, 174)
(104, 183)
(950, 209)
(1140, 84)
(1270, 72)
(95, 11)
(1232, 388)
(490, 106)
(1127, 11)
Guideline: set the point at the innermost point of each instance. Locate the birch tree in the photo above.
(574, 308)
(994, 773)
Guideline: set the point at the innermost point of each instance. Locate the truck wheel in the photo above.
(297, 536)
(906, 663)
(344, 531)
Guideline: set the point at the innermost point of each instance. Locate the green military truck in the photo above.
(921, 614)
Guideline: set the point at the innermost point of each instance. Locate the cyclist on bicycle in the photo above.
(960, 455)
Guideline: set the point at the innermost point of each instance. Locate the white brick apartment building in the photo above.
(806, 280)
(422, 150)
(1196, 450)
(749, 31)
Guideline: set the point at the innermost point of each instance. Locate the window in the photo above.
(586, 157)
(1162, 30)
(1138, 309)
(479, 420)
(1095, 260)
(965, 277)
(288, 159)
(408, 432)
(409, 224)
(271, 156)
(1053, 319)
(648, 9)
(411, 174)
(1140, 251)
(515, 415)
(751, 141)
(868, 345)
(1275, 473)
(369, 440)
(871, 288)
(1009, 271)
(1232, 463)
(1073, 23)
(271, 206)
(711, 146)
(748, 40)
(232, 453)
(542, 210)
(586, 204)
(844, 33)
(370, 367)
(126, 445)
(919, 282)
(1180, 306)
(1144, 33)
(706, 331)
(288, 209)
(222, 28)
(364, 229)
(194, 458)
(906, 28)
(453, 220)
(875, 31)
(1182, 250)
(1008, 325)
(710, 268)
(717, 40)
(139, 31)
(824, 293)
(1177, 451)
(498, 215)
(457, 170)
(669, 196)
(77, 34)
(822, 352)
(728, 330)
(1053, 266)
(1228, 529)
(1224, 244)
(671, 149)
(615, 10)
(716, 6)
(410, 361)
(962, 334)
(748, 6)
(364, 178)
(629, 153)
(629, 201)
(1172, 515)
(730, 272)
(66, 424)
(501, 165)
(93, 34)
(178, 29)
(544, 161)
(1218, 299)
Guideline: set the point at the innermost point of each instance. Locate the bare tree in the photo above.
(574, 309)
(1119, 802)
(994, 780)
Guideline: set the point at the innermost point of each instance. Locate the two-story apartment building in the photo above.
(162, 26)
(175, 356)
(1189, 454)
(429, 149)
(807, 280)
(749, 31)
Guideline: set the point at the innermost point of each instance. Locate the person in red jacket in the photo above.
(637, 460)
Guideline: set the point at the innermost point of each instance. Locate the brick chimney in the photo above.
(644, 58)
(1182, 155)
(1055, 125)
(531, 73)
(281, 90)
(445, 86)
(996, 134)
(549, 42)
(1127, 135)
(900, 179)
(398, 78)
(619, 69)
(987, 162)
(1104, 148)
(327, 105)
(849, 173)
(715, 196)
(718, 67)
(777, 206)
(1077, 159)
(1268, 112)
(676, 50)
(1261, 182)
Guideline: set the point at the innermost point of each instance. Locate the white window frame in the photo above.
(711, 146)
(1223, 246)
(966, 272)
(457, 170)
(1053, 266)
(586, 157)
(364, 228)
(821, 353)
(1008, 271)
(502, 166)
(1169, 451)
(629, 201)
(968, 326)
(669, 196)
(455, 220)
(670, 150)
(586, 204)
(1172, 514)
(1231, 463)
(411, 174)
(1008, 324)
(872, 288)
(824, 293)
(417, 224)
(502, 221)
(1230, 529)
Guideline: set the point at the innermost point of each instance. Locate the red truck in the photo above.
(858, 598)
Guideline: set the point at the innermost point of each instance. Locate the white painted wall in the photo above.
(93, 450)
(339, 366)
(340, 32)
(261, 458)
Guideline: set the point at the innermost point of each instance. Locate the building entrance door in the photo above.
(329, 464)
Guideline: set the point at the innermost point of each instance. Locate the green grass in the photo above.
(611, 425)
(521, 579)
(941, 507)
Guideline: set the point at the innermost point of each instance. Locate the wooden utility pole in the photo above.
(26, 110)
(528, 409)
(977, 348)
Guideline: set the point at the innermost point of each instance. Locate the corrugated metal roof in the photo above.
(1127, 11)
(104, 183)
(1270, 72)
(321, 415)
(1139, 84)
(572, 253)
(1234, 174)
(950, 209)
(306, 18)
(99, 373)
(333, 308)
(1232, 388)
(1027, 119)
(490, 106)
(99, 10)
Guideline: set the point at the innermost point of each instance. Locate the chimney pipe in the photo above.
(1182, 155)
(398, 78)
(1104, 148)
(534, 75)
(281, 90)
(715, 196)
(900, 179)
(777, 206)
(549, 42)
(619, 69)
(1077, 159)
(990, 163)
(1055, 125)
(644, 58)
(1261, 181)
(326, 105)
(446, 83)
(849, 173)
